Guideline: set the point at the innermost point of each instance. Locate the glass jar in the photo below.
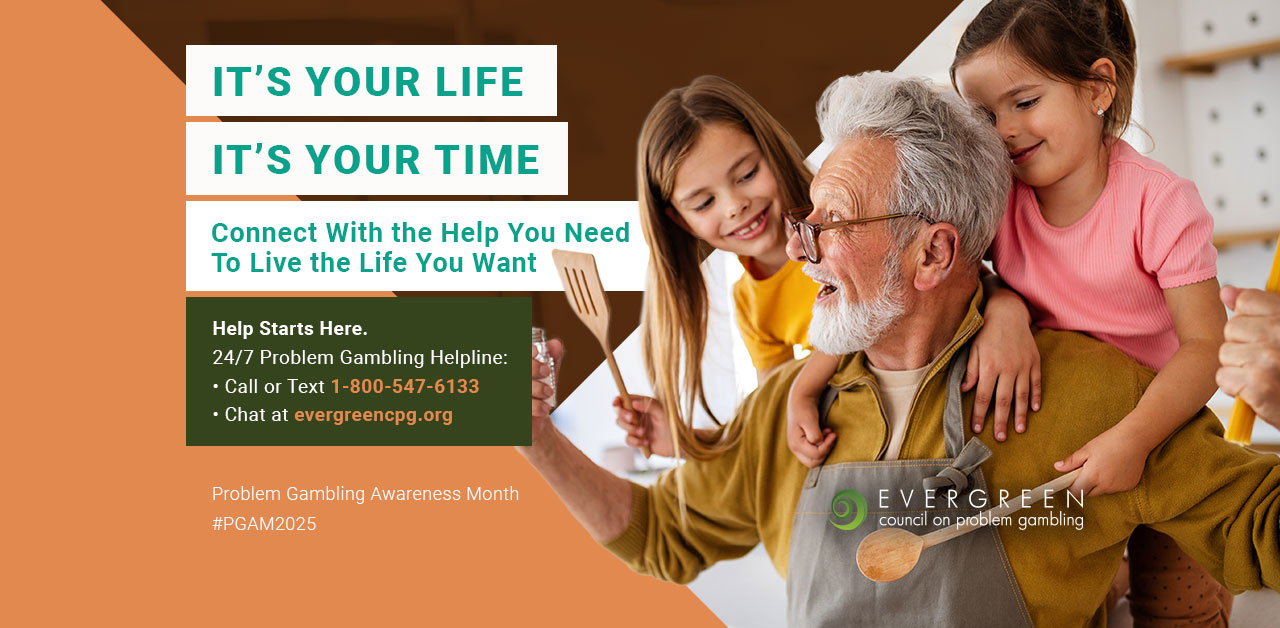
(540, 345)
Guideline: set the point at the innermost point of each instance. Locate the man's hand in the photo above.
(645, 424)
(541, 409)
(1250, 356)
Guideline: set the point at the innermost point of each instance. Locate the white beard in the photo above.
(844, 327)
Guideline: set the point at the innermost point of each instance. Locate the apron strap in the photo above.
(955, 477)
(965, 456)
(825, 401)
(953, 423)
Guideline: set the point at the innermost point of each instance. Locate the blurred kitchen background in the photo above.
(1207, 106)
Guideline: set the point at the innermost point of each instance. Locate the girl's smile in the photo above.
(1020, 156)
(753, 228)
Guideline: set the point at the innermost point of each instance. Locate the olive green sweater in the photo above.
(1220, 502)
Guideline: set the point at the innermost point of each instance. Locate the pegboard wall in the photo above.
(1246, 264)
(1233, 115)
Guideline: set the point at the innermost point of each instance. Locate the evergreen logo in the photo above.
(848, 510)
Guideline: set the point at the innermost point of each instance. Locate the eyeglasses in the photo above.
(808, 231)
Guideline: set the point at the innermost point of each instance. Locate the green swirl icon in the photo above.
(844, 505)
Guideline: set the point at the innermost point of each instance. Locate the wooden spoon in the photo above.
(891, 553)
(585, 292)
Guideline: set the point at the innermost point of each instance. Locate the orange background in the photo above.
(108, 515)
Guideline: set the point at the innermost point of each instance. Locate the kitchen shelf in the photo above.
(1224, 240)
(1206, 62)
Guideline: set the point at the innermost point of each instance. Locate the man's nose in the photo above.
(794, 250)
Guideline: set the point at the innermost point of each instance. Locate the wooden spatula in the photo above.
(891, 553)
(586, 295)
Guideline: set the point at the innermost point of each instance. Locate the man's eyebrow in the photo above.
(841, 198)
(686, 197)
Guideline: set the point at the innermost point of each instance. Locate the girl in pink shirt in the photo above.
(1098, 239)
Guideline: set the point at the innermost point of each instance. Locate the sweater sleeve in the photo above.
(720, 520)
(1219, 501)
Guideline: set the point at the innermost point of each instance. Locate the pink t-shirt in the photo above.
(1105, 274)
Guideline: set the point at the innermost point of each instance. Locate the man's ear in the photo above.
(939, 247)
(1102, 93)
(679, 220)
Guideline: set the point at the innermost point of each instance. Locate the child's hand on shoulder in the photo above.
(809, 442)
(1112, 462)
(1004, 366)
(805, 436)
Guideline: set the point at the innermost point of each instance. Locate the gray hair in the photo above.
(952, 166)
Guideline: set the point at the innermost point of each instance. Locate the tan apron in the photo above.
(966, 581)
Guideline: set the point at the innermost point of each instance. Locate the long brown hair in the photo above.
(1062, 38)
(674, 326)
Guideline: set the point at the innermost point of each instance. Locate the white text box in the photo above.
(414, 80)
(491, 158)
(456, 234)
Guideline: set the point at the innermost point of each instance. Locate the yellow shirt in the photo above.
(1220, 502)
(774, 313)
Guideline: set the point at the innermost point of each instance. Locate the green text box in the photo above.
(416, 371)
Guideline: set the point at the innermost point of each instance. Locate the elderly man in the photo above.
(904, 208)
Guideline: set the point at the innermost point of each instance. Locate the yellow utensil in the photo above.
(1240, 429)
(586, 295)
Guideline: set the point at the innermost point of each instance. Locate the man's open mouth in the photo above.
(828, 287)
